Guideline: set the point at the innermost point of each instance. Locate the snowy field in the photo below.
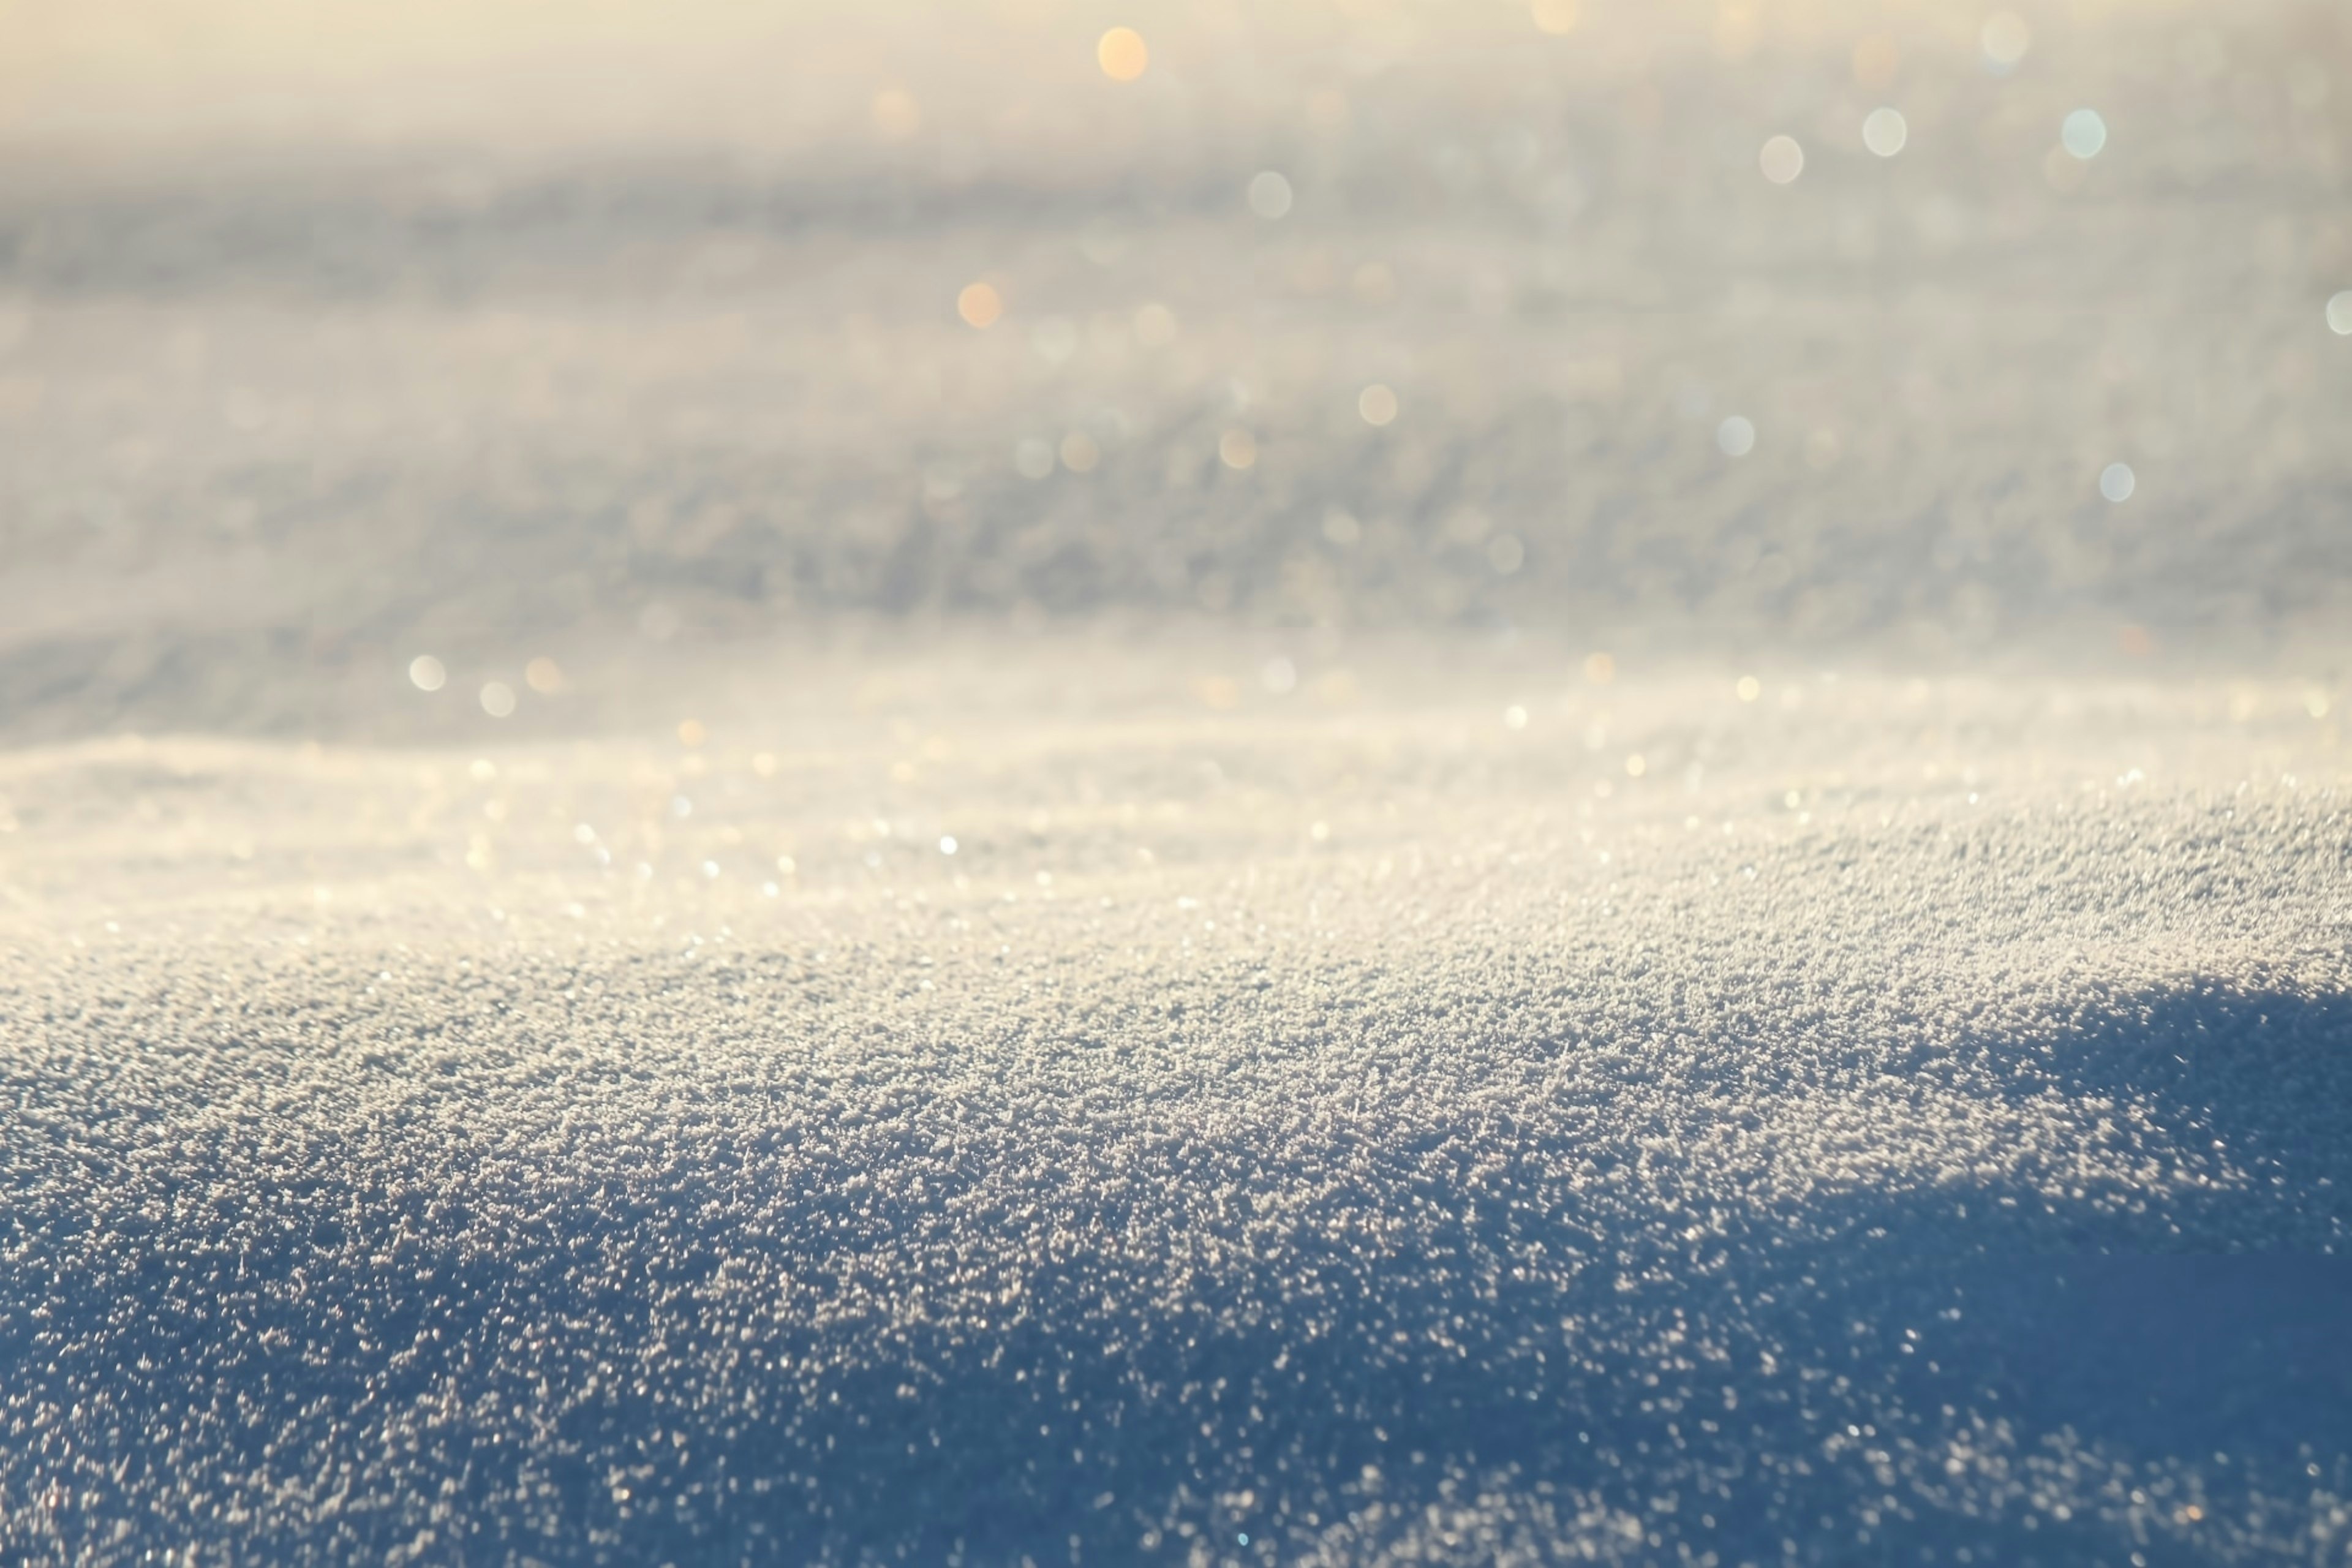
(1494, 854)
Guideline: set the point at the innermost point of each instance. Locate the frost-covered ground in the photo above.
(658, 904)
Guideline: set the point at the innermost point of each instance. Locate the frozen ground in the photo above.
(1041, 944)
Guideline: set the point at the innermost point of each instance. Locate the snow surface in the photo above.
(1907, 1117)
(1046, 944)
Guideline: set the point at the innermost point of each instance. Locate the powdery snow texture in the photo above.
(1902, 1122)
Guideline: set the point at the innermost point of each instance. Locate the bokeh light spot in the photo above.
(980, 305)
(2339, 314)
(427, 673)
(1122, 55)
(543, 675)
(1155, 326)
(1269, 195)
(1557, 17)
(498, 699)
(1377, 404)
(2083, 134)
(1781, 160)
(1735, 436)
(2117, 482)
(1237, 448)
(2004, 39)
(1885, 131)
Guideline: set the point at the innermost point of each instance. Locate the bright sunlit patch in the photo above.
(1735, 436)
(1377, 404)
(2083, 134)
(1781, 160)
(2117, 482)
(1121, 54)
(498, 699)
(980, 305)
(1269, 195)
(427, 673)
(1557, 17)
(1885, 131)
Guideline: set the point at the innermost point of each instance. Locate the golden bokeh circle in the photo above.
(980, 305)
(1122, 55)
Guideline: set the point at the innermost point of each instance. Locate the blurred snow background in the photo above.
(510, 330)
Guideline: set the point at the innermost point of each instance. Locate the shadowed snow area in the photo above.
(792, 780)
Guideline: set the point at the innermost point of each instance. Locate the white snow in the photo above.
(1907, 1116)
(798, 786)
